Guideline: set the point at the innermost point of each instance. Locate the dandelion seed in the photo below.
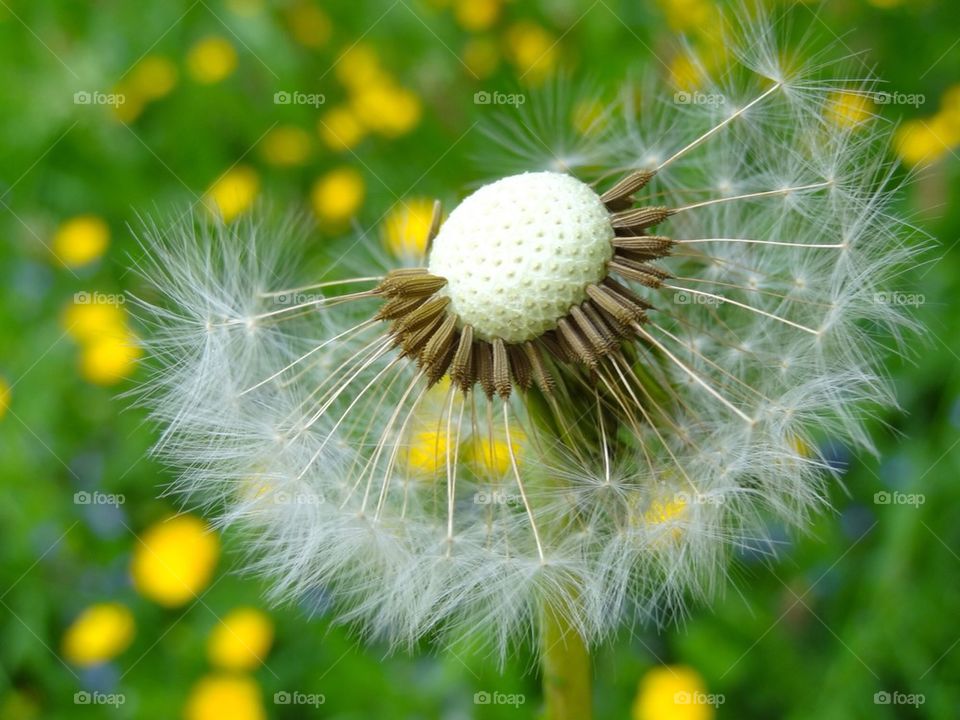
(590, 385)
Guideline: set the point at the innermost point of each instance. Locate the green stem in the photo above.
(566, 670)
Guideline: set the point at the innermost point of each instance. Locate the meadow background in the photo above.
(359, 113)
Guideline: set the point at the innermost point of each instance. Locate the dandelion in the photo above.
(81, 240)
(174, 560)
(643, 336)
(336, 197)
(211, 60)
(241, 640)
(233, 193)
(225, 696)
(5, 395)
(99, 633)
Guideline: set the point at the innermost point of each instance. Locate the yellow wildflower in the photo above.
(233, 193)
(406, 227)
(673, 692)
(848, 109)
(337, 196)
(99, 633)
(308, 24)
(152, 78)
(174, 560)
(211, 59)
(476, 15)
(481, 57)
(218, 697)
(81, 240)
(386, 108)
(340, 129)
(241, 640)
(533, 49)
(286, 146)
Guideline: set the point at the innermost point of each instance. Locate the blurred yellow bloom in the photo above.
(427, 452)
(663, 511)
(386, 108)
(685, 74)
(589, 117)
(233, 193)
(673, 692)
(4, 397)
(359, 66)
(488, 457)
(687, 15)
(100, 633)
(90, 321)
(406, 227)
(241, 640)
(336, 197)
(131, 107)
(109, 359)
(848, 109)
(245, 8)
(921, 142)
(533, 49)
(152, 78)
(81, 240)
(174, 560)
(308, 24)
(225, 697)
(340, 129)
(211, 59)
(286, 146)
(481, 56)
(476, 15)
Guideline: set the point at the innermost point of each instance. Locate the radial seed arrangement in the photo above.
(603, 375)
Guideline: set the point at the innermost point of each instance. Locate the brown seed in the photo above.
(538, 367)
(462, 370)
(501, 369)
(619, 196)
(520, 368)
(581, 348)
(483, 362)
(640, 218)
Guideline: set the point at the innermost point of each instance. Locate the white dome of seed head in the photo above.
(519, 253)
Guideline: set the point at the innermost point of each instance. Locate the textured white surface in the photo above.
(519, 252)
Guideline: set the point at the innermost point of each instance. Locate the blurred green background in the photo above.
(360, 113)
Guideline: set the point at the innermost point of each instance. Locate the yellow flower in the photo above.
(359, 66)
(225, 697)
(241, 640)
(532, 49)
(308, 24)
(81, 240)
(589, 117)
(100, 633)
(476, 15)
(286, 146)
(406, 227)
(664, 511)
(386, 108)
(4, 397)
(174, 560)
(921, 142)
(336, 197)
(340, 129)
(427, 452)
(233, 192)
(109, 359)
(848, 109)
(672, 693)
(152, 78)
(685, 74)
(481, 57)
(131, 107)
(211, 59)
(686, 15)
(488, 457)
(91, 321)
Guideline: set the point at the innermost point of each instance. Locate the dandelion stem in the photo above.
(565, 664)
